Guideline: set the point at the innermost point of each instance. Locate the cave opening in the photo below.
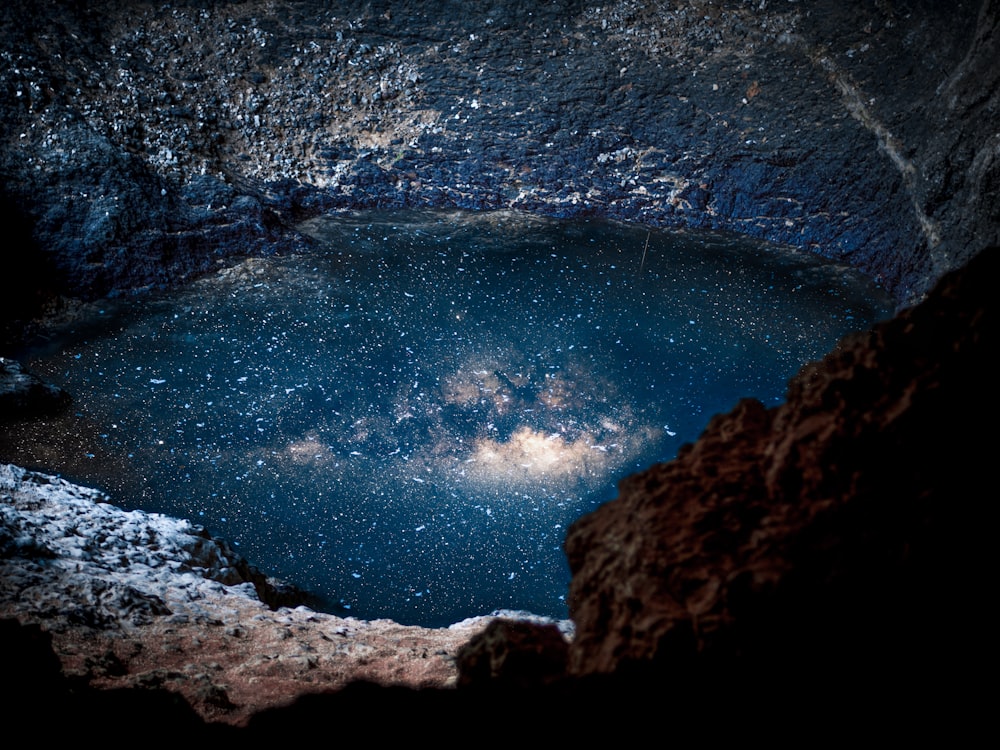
(405, 421)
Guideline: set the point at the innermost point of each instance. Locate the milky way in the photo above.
(406, 421)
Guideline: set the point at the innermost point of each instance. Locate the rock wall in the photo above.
(143, 144)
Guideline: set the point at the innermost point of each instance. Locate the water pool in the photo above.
(405, 421)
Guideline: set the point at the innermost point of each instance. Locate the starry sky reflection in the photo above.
(407, 421)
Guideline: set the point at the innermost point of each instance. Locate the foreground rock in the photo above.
(842, 533)
(132, 599)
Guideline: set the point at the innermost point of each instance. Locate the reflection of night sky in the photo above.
(408, 422)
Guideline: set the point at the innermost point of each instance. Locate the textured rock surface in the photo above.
(820, 534)
(144, 143)
(132, 599)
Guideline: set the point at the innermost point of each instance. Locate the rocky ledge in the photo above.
(133, 599)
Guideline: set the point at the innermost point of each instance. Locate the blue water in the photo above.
(406, 421)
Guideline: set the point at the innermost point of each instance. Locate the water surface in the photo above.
(406, 421)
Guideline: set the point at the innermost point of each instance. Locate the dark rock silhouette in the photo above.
(810, 537)
(23, 394)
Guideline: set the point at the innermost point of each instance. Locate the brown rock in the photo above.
(820, 532)
(513, 654)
